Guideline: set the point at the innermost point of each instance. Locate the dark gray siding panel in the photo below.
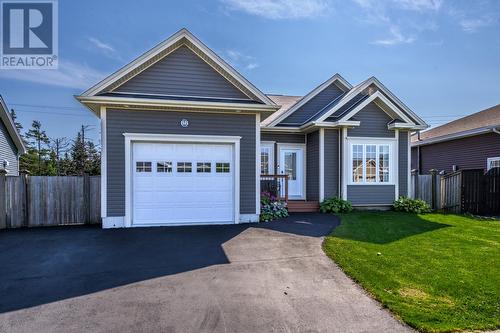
(403, 163)
(312, 166)
(314, 105)
(414, 158)
(331, 157)
(466, 153)
(283, 138)
(182, 73)
(165, 122)
(370, 194)
(8, 151)
(373, 123)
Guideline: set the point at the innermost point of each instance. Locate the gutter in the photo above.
(455, 136)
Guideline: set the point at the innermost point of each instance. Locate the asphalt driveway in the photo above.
(270, 277)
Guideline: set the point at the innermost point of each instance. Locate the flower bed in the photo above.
(271, 207)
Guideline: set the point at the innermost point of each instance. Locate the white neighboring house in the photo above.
(11, 143)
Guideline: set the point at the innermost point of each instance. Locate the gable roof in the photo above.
(182, 38)
(335, 79)
(487, 117)
(384, 92)
(477, 123)
(11, 127)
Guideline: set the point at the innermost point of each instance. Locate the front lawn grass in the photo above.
(438, 273)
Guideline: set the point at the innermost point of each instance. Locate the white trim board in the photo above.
(321, 164)
(104, 165)
(257, 163)
(362, 86)
(130, 138)
(183, 33)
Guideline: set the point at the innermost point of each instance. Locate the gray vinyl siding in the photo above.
(403, 163)
(371, 195)
(8, 151)
(281, 138)
(331, 160)
(313, 106)
(373, 123)
(166, 122)
(312, 166)
(182, 73)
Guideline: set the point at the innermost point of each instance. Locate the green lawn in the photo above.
(436, 272)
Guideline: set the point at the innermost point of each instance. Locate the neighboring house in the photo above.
(11, 143)
(471, 142)
(185, 139)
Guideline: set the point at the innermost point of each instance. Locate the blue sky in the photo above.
(441, 57)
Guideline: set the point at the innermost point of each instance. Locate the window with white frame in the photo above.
(266, 158)
(370, 162)
(164, 167)
(493, 162)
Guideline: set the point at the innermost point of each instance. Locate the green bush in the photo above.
(335, 205)
(417, 206)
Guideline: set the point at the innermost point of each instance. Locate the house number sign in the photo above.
(184, 123)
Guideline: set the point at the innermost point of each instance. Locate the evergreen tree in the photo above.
(79, 155)
(37, 141)
(18, 125)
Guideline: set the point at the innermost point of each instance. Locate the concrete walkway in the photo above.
(270, 277)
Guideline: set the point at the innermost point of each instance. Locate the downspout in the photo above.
(495, 130)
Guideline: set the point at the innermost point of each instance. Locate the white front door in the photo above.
(182, 183)
(292, 164)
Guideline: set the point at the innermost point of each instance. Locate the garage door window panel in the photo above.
(223, 167)
(204, 167)
(164, 167)
(143, 166)
(184, 167)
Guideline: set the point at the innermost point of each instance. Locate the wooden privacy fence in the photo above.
(464, 191)
(427, 188)
(30, 201)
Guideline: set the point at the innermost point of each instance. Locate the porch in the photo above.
(278, 186)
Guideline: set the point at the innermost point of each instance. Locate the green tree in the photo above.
(37, 141)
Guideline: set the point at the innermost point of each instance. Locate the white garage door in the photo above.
(182, 183)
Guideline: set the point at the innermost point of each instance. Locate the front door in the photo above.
(292, 164)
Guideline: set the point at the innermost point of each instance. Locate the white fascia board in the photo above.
(365, 84)
(405, 126)
(281, 129)
(183, 33)
(455, 136)
(11, 127)
(377, 96)
(109, 100)
(309, 96)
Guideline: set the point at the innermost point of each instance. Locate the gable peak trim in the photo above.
(163, 49)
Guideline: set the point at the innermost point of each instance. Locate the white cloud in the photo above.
(419, 5)
(396, 38)
(101, 45)
(280, 9)
(68, 75)
(240, 60)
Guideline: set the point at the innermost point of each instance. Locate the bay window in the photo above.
(370, 162)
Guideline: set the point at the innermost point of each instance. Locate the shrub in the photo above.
(335, 205)
(417, 206)
(271, 207)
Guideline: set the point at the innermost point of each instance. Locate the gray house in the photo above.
(11, 144)
(186, 138)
